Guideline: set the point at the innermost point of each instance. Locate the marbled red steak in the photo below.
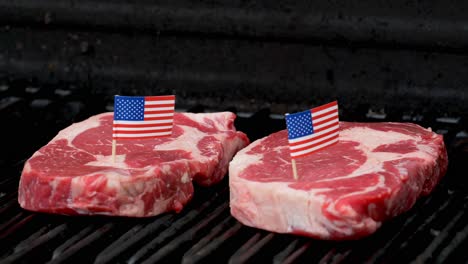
(74, 173)
(375, 172)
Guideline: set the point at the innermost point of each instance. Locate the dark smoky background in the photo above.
(62, 61)
(408, 56)
(388, 60)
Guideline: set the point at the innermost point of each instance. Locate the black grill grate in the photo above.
(435, 230)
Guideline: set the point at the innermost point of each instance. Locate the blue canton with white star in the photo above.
(129, 108)
(299, 124)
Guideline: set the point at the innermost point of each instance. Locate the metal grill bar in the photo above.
(204, 231)
(402, 233)
(33, 243)
(4, 232)
(187, 236)
(291, 253)
(437, 242)
(123, 243)
(173, 229)
(427, 222)
(71, 241)
(329, 256)
(286, 252)
(115, 249)
(25, 243)
(5, 185)
(213, 245)
(454, 244)
(87, 241)
(224, 224)
(338, 258)
(422, 218)
(7, 206)
(252, 247)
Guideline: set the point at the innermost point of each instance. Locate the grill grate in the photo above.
(435, 230)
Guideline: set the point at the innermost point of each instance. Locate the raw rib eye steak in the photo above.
(376, 171)
(74, 173)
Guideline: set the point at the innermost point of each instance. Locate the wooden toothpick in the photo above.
(294, 169)
(114, 147)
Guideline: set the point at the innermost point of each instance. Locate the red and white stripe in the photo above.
(158, 120)
(325, 122)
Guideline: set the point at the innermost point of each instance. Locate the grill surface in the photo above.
(435, 230)
(62, 61)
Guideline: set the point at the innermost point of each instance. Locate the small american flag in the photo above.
(138, 117)
(312, 130)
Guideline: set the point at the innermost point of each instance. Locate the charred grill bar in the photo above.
(63, 61)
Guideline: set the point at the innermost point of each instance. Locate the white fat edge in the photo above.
(113, 177)
(349, 210)
(251, 146)
(82, 211)
(185, 178)
(136, 208)
(35, 154)
(312, 221)
(106, 161)
(241, 161)
(375, 164)
(72, 131)
(221, 120)
(403, 172)
(428, 150)
(161, 205)
(147, 171)
(221, 137)
(165, 169)
(380, 185)
(134, 188)
(137, 186)
(53, 185)
(352, 160)
(77, 186)
(407, 126)
(27, 167)
(318, 213)
(371, 138)
(305, 216)
(367, 168)
(229, 147)
(380, 158)
(187, 141)
(150, 184)
(371, 165)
